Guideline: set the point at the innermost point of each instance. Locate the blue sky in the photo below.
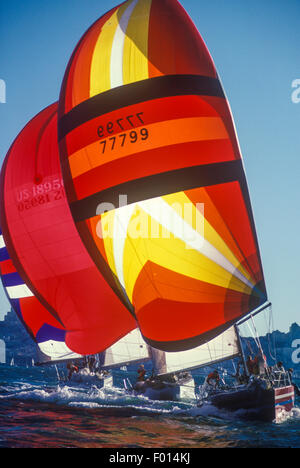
(255, 47)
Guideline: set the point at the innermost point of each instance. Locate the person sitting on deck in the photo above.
(279, 367)
(250, 365)
(91, 363)
(213, 379)
(260, 364)
(141, 373)
(72, 368)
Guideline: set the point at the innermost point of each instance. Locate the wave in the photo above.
(115, 400)
(111, 398)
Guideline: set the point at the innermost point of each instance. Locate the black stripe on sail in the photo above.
(161, 184)
(134, 93)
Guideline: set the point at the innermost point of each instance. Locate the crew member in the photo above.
(241, 378)
(260, 364)
(279, 367)
(72, 368)
(141, 373)
(213, 379)
(91, 363)
(250, 365)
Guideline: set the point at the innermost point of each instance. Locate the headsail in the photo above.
(154, 174)
(131, 349)
(45, 247)
(219, 349)
(42, 327)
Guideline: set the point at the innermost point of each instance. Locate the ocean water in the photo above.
(36, 411)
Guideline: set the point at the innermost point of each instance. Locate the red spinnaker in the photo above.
(44, 244)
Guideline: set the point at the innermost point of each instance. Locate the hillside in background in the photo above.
(19, 346)
(277, 346)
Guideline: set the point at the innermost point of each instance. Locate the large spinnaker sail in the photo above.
(219, 349)
(42, 327)
(45, 246)
(131, 349)
(154, 175)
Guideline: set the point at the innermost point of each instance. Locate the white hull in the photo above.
(164, 391)
(84, 376)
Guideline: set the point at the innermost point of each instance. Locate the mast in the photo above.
(240, 346)
(158, 360)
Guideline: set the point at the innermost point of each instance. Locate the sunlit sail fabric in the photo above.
(45, 246)
(219, 349)
(154, 175)
(42, 327)
(131, 349)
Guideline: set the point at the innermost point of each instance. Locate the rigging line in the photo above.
(252, 333)
(209, 351)
(267, 318)
(258, 340)
(271, 326)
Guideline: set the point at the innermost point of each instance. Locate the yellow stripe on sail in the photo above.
(135, 58)
(100, 80)
(196, 218)
(170, 253)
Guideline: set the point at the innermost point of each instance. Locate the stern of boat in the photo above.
(284, 400)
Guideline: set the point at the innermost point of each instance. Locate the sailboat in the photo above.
(133, 209)
(261, 392)
(154, 176)
(36, 274)
(266, 395)
(42, 319)
(130, 350)
(171, 378)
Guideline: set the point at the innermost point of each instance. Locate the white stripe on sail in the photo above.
(2, 243)
(116, 60)
(19, 291)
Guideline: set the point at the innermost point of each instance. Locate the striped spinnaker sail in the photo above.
(154, 174)
(143, 118)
